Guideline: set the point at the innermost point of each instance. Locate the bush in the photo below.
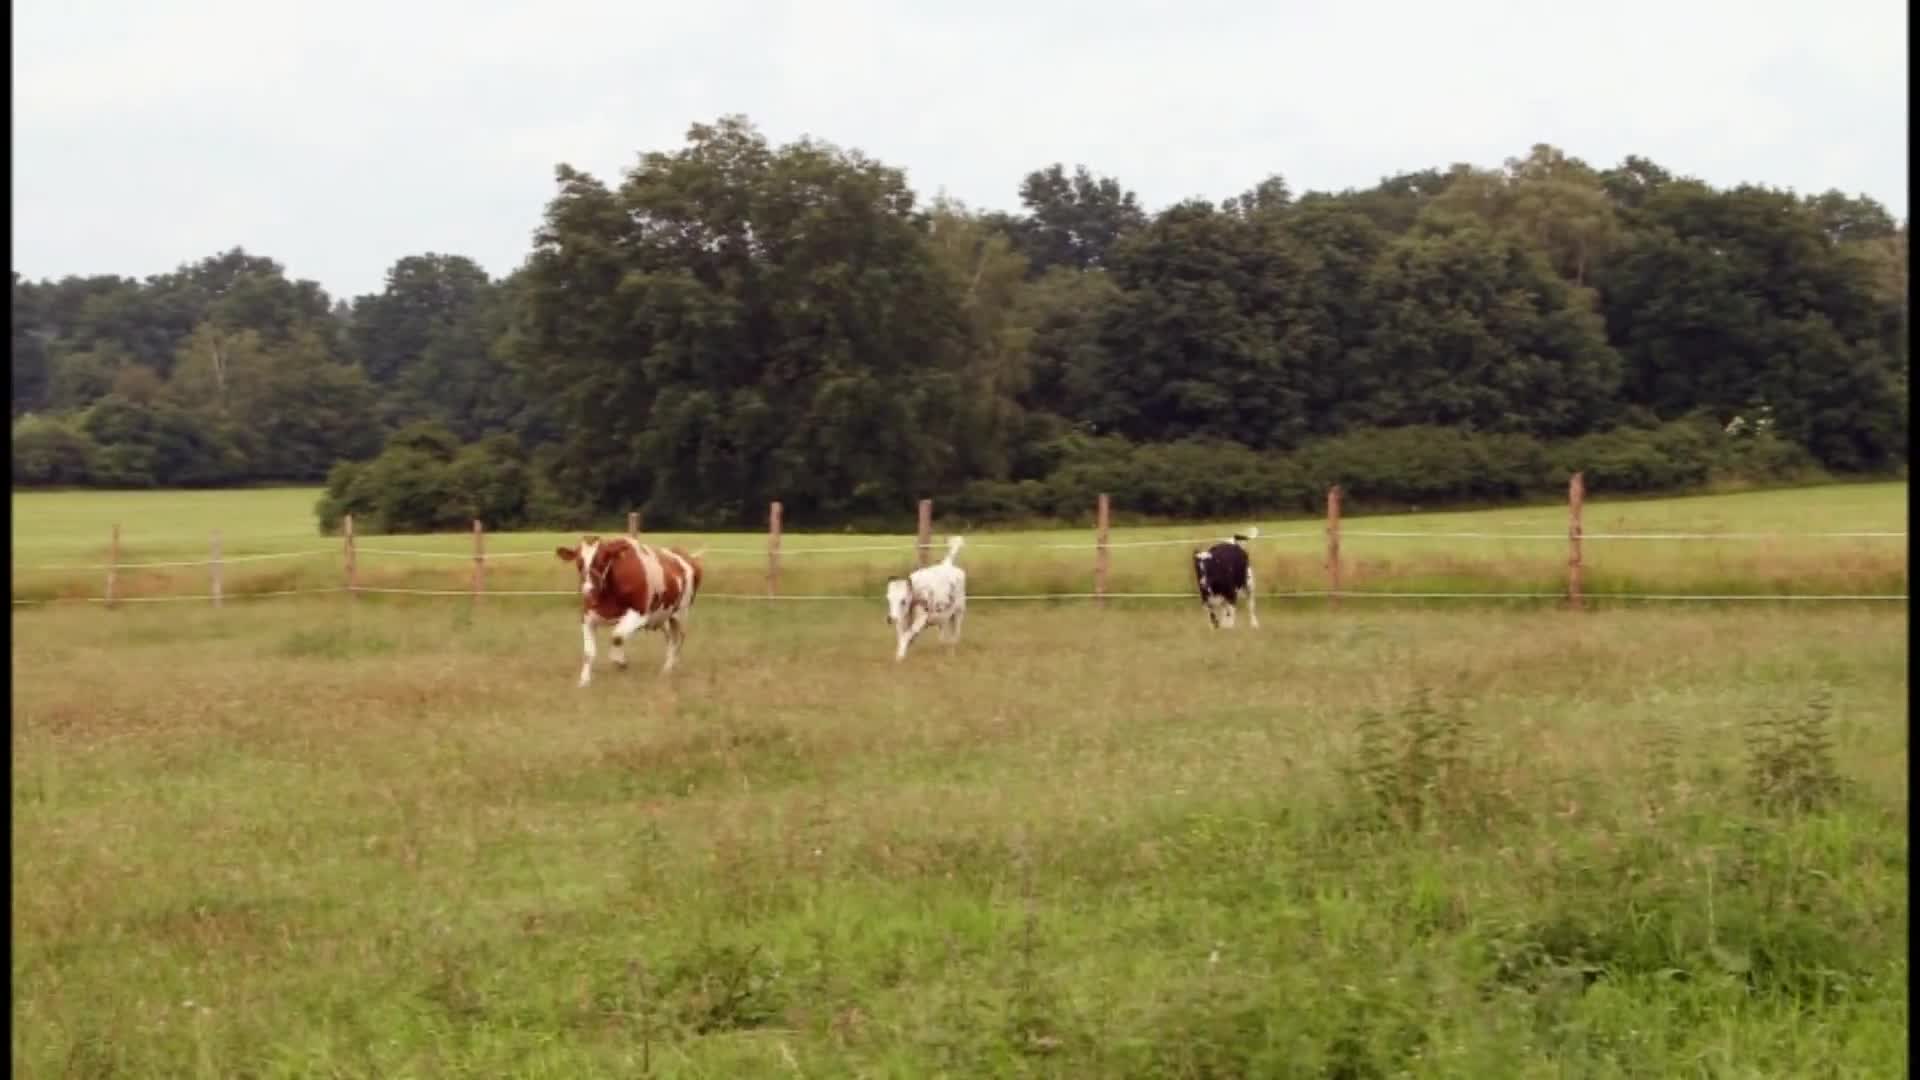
(1675, 455)
(489, 481)
(546, 505)
(1196, 478)
(343, 496)
(1764, 458)
(1377, 468)
(124, 465)
(997, 500)
(50, 451)
(425, 481)
(159, 445)
(1514, 466)
(1427, 465)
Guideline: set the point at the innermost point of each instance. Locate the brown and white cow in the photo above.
(634, 586)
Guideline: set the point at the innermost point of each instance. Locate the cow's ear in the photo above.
(566, 554)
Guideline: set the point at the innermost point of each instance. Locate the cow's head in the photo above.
(899, 596)
(592, 559)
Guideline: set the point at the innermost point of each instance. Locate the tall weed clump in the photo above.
(1790, 764)
(1419, 768)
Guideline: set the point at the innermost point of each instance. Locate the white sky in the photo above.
(340, 137)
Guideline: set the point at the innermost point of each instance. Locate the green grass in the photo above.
(69, 522)
(55, 532)
(312, 837)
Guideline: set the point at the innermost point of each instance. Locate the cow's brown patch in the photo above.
(673, 582)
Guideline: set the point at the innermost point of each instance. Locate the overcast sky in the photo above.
(339, 137)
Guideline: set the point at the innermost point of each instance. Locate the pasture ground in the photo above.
(312, 837)
(388, 837)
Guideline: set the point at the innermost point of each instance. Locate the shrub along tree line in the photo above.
(737, 321)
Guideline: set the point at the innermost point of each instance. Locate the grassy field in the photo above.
(312, 838)
(390, 838)
(59, 540)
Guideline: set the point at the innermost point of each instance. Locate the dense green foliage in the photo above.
(425, 481)
(737, 321)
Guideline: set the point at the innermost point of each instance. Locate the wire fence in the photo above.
(1302, 594)
(909, 548)
(920, 548)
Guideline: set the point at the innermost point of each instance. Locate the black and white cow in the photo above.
(1224, 571)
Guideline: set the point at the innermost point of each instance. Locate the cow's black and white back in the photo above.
(1224, 572)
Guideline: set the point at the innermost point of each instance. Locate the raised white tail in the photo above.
(1252, 533)
(953, 548)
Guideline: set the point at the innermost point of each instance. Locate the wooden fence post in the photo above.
(346, 532)
(1333, 545)
(773, 548)
(633, 524)
(113, 563)
(1576, 501)
(479, 560)
(926, 529)
(1101, 507)
(215, 568)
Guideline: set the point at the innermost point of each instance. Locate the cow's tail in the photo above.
(696, 560)
(954, 544)
(1252, 533)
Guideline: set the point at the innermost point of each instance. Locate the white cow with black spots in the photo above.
(934, 594)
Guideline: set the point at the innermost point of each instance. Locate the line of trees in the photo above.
(736, 321)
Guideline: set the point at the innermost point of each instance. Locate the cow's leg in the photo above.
(953, 626)
(676, 632)
(587, 622)
(623, 630)
(1220, 610)
(1253, 617)
(1213, 612)
(917, 624)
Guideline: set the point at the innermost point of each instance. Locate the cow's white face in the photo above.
(583, 558)
(585, 565)
(899, 595)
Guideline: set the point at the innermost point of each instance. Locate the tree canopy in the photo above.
(732, 321)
